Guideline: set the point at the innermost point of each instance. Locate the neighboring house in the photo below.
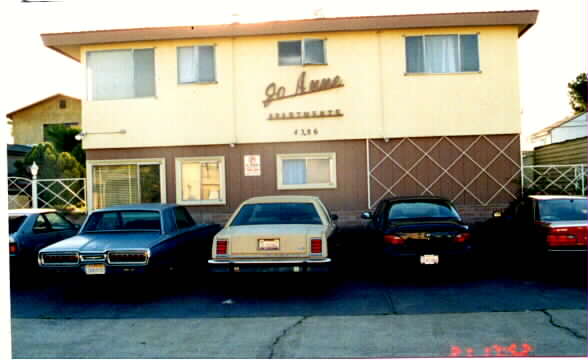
(348, 109)
(14, 153)
(570, 128)
(569, 152)
(30, 123)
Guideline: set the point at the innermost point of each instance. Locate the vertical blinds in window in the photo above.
(121, 74)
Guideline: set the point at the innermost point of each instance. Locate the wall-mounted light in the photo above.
(83, 134)
(232, 145)
(386, 139)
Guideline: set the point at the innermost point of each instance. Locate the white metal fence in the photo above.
(47, 193)
(555, 179)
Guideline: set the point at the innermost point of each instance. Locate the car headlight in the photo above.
(70, 258)
(128, 257)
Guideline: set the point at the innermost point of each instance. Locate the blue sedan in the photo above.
(132, 238)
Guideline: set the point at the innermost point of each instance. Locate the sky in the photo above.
(551, 54)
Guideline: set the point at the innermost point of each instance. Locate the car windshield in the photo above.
(123, 221)
(14, 223)
(277, 213)
(563, 209)
(421, 209)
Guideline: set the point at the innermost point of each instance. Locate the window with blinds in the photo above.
(120, 74)
(125, 184)
(298, 52)
(196, 64)
(201, 181)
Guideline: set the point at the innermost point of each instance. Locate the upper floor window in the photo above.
(121, 74)
(301, 52)
(196, 64)
(442, 54)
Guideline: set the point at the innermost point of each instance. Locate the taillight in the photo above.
(463, 237)
(316, 246)
(222, 246)
(13, 248)
(393, 239)
(567, 236)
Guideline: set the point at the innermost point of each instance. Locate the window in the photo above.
(129, 220)
(196, 64)
(48, 128)
(306, 171)
(183, 218)
(442, 54)
(200, 181)
(299, 52)
(41, 224)
(121, 183)
(277, 213)
(58, 222)
(120, 74)
(421, 209)
(62, 104)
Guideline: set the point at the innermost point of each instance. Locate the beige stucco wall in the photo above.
(27, 125)
(378, 99)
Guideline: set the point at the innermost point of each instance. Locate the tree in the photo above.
(578, 92)
(64, 140)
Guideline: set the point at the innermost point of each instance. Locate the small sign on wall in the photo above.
(252, 165)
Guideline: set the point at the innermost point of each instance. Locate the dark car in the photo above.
(133, 238)
(423, 229)
(539, 225)
(32, 229)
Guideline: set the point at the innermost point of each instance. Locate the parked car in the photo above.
(275, 233)
(539, 225)
(132, 238)
(29, 230)
(423, 229)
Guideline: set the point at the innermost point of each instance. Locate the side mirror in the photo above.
(334, 217)
(366, 215)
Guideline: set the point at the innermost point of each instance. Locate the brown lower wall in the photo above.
(478, 173)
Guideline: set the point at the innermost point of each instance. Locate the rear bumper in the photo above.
(303, 265)
(454, 253)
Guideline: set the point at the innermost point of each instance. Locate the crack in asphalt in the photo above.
(284, 333)
(571, 331)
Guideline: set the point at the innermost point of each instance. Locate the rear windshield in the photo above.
(563, 209)
(124, 221)
(422, 209)
(14, 223)
(277, 213)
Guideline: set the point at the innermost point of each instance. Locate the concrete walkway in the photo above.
(530, 333)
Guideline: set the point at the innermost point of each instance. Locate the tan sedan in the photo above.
(275, 233)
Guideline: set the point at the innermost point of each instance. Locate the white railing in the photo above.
(47, 193)
(556, 179)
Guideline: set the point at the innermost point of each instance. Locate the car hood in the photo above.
(97, 242)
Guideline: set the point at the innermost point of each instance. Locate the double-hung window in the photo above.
(120, 74)
(301, 52)
(442, 54)
(200, 180)
(196, 64)
(306, 171)
(126, 182)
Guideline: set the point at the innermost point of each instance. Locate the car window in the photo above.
(277, 213)
(41, 224)
(58, 222)
(183, 218)
(421, 209)
(124, 221)
(15, 222)
(563, 209)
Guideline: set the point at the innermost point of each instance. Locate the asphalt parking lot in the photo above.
(359, 312)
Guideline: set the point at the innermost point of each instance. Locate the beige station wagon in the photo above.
(275, 233)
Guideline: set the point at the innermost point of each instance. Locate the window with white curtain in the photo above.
(298, 52)
(200, 180)
(120, 74)
(196, 64)
(306, 171)
(439, 54)
(122, 182)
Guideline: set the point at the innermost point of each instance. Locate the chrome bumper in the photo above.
(269, 262)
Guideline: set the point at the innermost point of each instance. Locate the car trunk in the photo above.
(427, 235)
(274, 241)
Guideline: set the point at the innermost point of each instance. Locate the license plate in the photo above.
(430, 259)
(268, 244)
(95, 269)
